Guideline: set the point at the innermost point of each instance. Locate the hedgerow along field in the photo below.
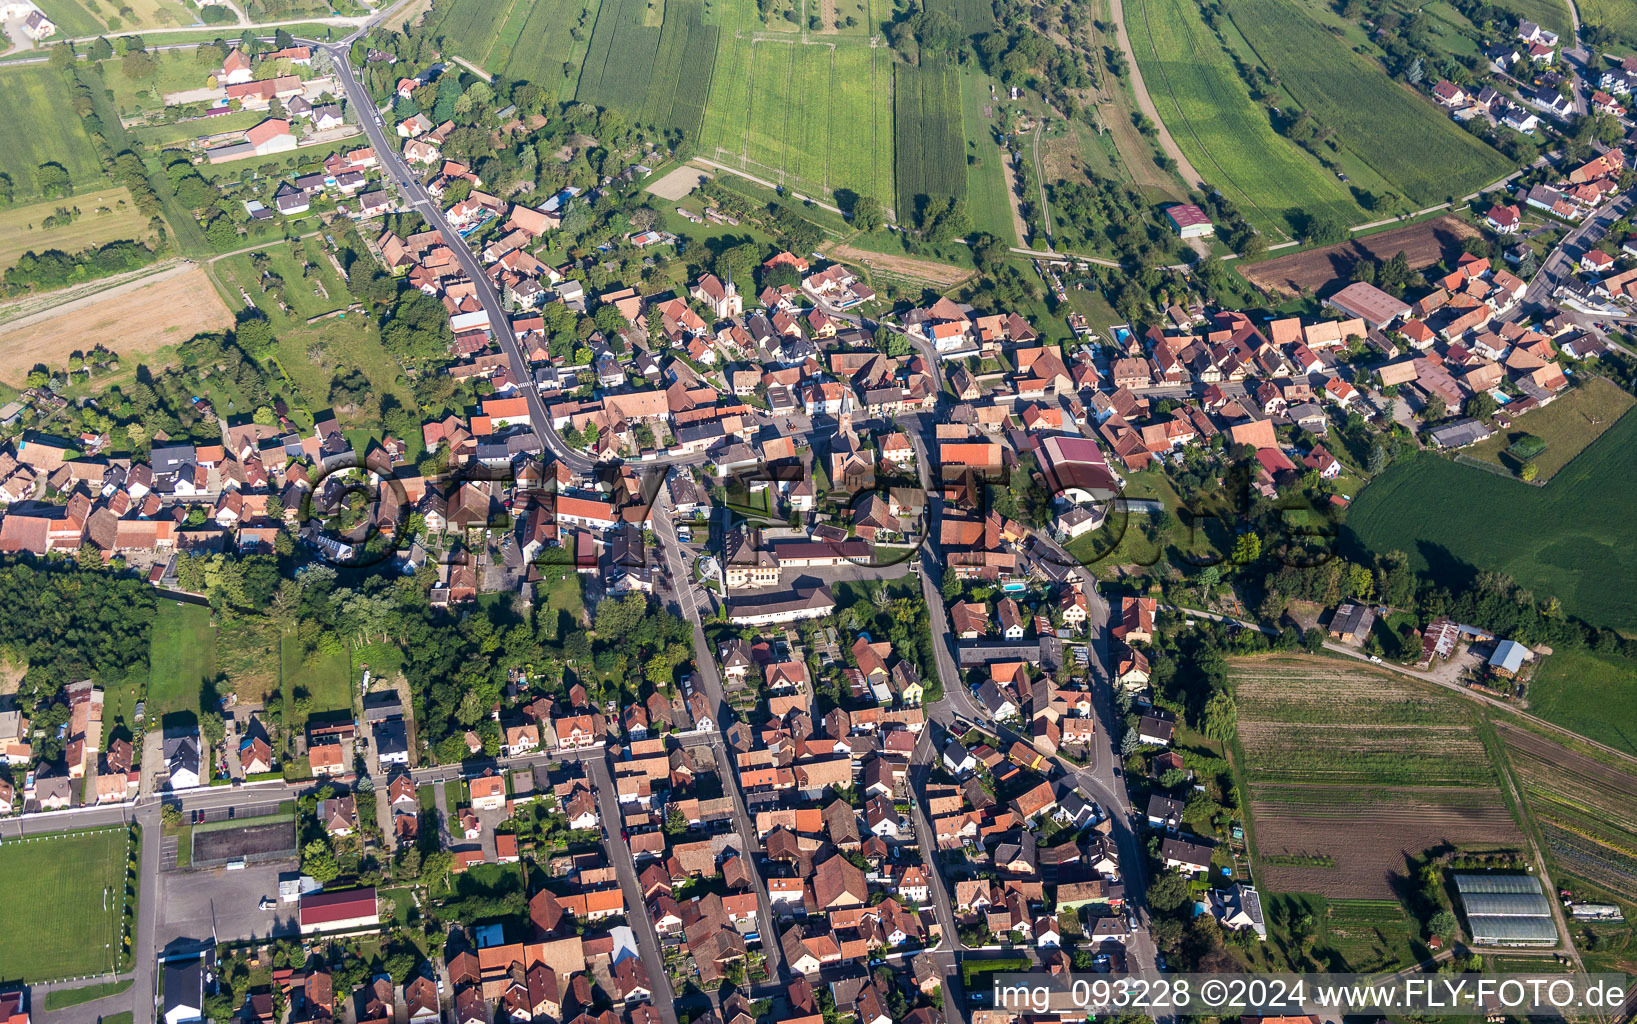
(1402, 136)
(1225, 134)
(927, 107)
(40, 128)
(1569, 539)
(1584, 807)
(81, 877)
(1350, 771)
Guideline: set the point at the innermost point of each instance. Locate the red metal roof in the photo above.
(325, 907)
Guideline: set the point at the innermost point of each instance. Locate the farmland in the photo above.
(1226, 135)
(1590, 694)
(105, 215)
(1316, 270)
(1568, 426)
(975, 17)
(136, 318)
(76, 18)
(761, 116)
(929, 151)
(529, 40)
(987, 180)
(1614, 15)
(1585, 809)
(1552, 14)
(680, 82)
(1566, 539)
(82, 877)
(620, 62)
(1322, 743)
(42, 129)
(1430, 158)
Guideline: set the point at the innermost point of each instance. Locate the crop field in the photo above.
(105, 216)
(930, 157)
(620, 62)
(1334, 753)
(1226, 135)
(1430, 157)
(1327, 269)
(545, 43)
(1586, 809)
(975, 17)
(40, 128)
(1590, 694)
(61, 899)
(1568, 426)
(1568, 539)
(816, 116)
(680, 82)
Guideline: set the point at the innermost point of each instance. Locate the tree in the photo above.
(1221, 716)
(1323, 229)
(990, 254)
(1167, 891)
(1528, 471)
(1442, 923)
(53, 179)
(867, 214)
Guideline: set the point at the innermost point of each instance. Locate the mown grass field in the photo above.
(161, 136)
(815, 115)
(1615, 15)
(987, 181)
(1568, 426)
(105, 215)
(929, 150)
(174, 71)
(1351, 771)
(1569, 539)
(41, 127)
(181, 659)
(1428, 157)
(1225, 134)
(323, 680)
(1554, 14)
(1594, 695)
(60, 904)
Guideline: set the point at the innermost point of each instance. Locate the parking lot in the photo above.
(194, 904)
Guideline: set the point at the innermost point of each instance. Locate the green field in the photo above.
(680, 82)
(1569, 539)
(76, 18)
(975, 17)
(1401, 135)
(1554, 14)
(60, 903)
(816, 115)
(929, 150)
(41, 127)
(106, 214)
(1615, 15)
(987, 180)
(322, 680)
(160, 136)
(1568, 426)
(1225, 134)
(529, 40)
(181, 660)
(620, 63)
(1593, 695)
(61, 998)
(174, 71)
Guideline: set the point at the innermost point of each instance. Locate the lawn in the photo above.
(105, 215)
(1568, 426)
(41, 127)
(174, 71)
(1430, 157)
(1225, 134)
(1593, 695)
(1568, 539)
(179, 133)
(82, 878)
(181, 660)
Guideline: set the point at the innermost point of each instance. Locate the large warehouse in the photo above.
(1507, 910)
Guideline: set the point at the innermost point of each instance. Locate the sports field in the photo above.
(1351, 771)
(1429, 157)
(105, 215)
(61, 899)
(1225, 134)
(1569, 539)
(41, 128)
(181, 659)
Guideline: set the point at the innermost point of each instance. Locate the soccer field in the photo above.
(61, 897)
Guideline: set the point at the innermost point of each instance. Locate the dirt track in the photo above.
(944, 275)
(1323, 270)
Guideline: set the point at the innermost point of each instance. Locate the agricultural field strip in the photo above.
(1225, 128)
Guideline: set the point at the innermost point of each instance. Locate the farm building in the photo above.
(1369, 303)
(1509, 656)
(1190, 221)
(1352, 623)
(346, 910)
(1506, 910)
